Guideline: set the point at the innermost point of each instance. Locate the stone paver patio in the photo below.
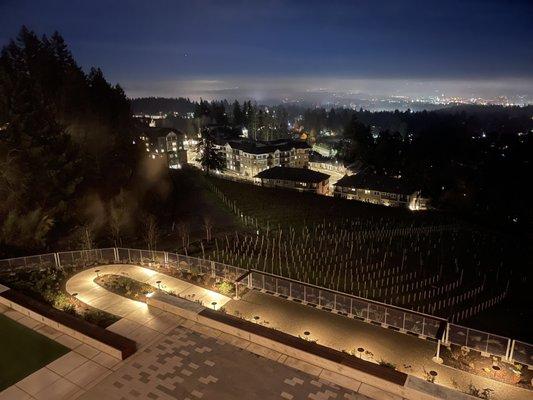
(180, 359)
(187, 365)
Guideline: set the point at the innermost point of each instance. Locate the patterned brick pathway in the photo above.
(189, 365)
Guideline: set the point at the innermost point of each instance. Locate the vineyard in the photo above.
(422, 262)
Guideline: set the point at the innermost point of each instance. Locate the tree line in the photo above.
(65, 139)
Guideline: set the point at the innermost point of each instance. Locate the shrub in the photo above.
(226, 288)
(99, 318)
(63, 302)
(387, 364)
(485, 394)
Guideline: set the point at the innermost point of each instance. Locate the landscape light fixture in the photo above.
(360, 350)
(97, 272)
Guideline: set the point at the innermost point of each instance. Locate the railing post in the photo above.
(213, 272)
(165, 255)
(508, 349)
(511, 353)
(115, 253)
(57, 260)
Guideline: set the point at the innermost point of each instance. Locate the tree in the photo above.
(86, 237)
(210, 158)
(208, 226)
(150, 232)
(62, 131)
(238, 116)
(117, 218)
(184, 232)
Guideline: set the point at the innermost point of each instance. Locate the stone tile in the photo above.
(303, 366)
(14, 315)
(14, 393)
(377, 394)
(30, 322)
(65, 364)
(60, 389)
(144, 315)
(234, 340)
(106, 360)
(87, 351)
(68, 341)
(123, 326)
(342, 380)
(78, 394)
(143, 335)
(164, 322)
(49, 332)
(263, 351)
(38, 381)
(86, 373)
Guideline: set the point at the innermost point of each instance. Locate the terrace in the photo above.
(330, 324)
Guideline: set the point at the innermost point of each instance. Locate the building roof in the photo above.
(376, 182)
(293, 174)
(154, 133)
(259, 147)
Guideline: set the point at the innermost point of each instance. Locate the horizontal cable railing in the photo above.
(384, 314)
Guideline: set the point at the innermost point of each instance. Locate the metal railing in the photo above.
(479, 340)
(368, 310)
(386, 315)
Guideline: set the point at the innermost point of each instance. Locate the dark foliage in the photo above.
(473, 160)
(63, 133)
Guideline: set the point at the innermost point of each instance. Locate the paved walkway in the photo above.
(186, 365)
(89, 292)
(177, 359)
(409, 353)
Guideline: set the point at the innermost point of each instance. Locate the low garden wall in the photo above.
(106, 341)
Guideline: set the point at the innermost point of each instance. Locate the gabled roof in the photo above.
(259, 147)
(293, 174)
(376, 182)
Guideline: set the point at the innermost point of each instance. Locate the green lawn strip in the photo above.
(23, 351)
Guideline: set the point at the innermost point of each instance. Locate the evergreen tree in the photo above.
(210, 158)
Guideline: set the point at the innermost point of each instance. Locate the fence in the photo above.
(384, 314)
(478, 340)
(174, 260)
(372, 311)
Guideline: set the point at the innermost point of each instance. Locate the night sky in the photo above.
(282, 48)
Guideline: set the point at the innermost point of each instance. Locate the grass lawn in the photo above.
(23, 351)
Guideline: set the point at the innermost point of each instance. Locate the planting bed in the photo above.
(489, 367)
(47, 285)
